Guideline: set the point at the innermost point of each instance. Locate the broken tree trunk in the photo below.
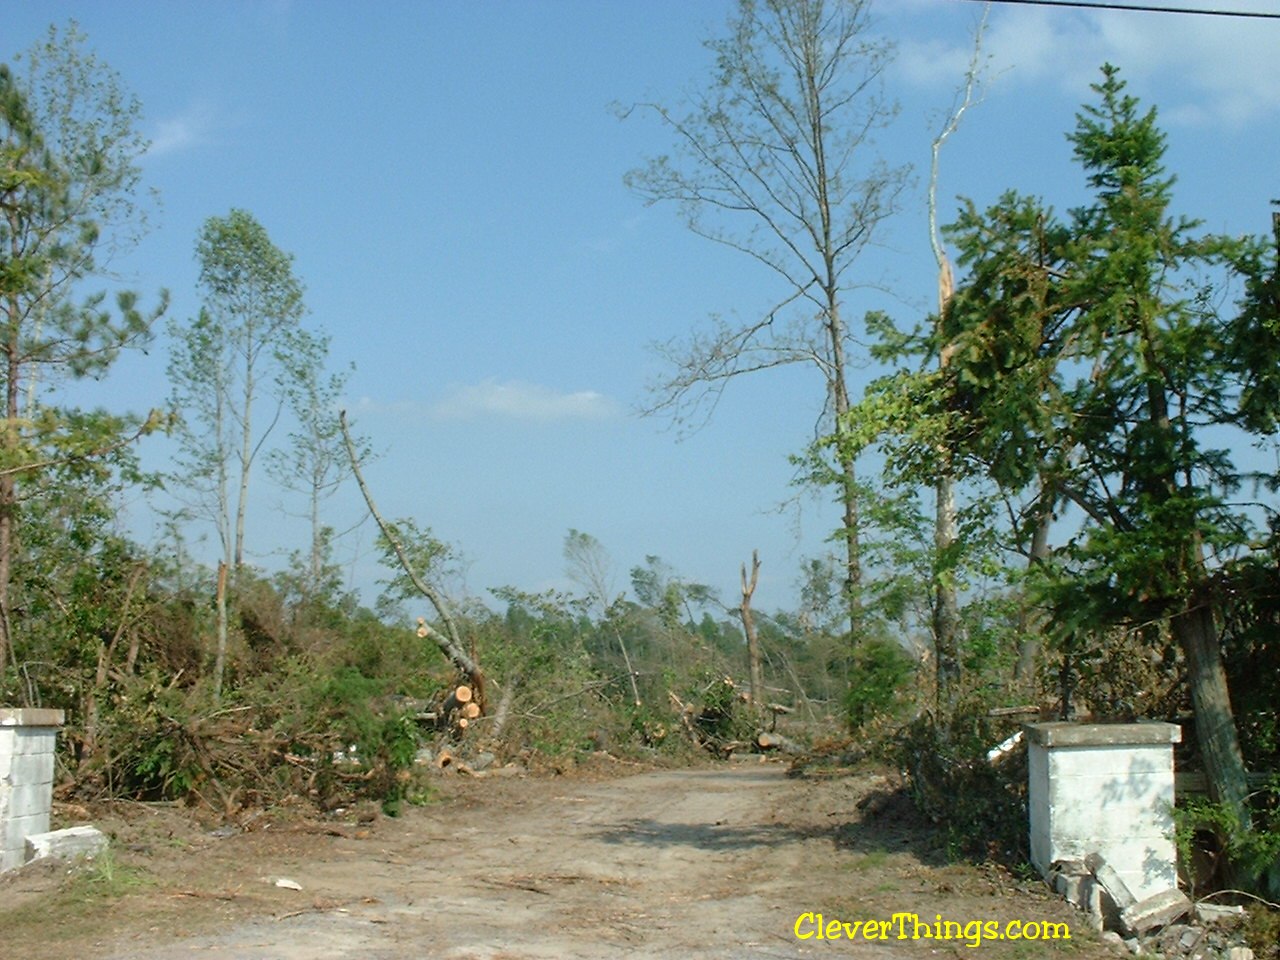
(749, 628)
(456, 703)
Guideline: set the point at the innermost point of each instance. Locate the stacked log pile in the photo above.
(459, 709)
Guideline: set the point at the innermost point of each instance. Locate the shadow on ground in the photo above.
(883, 820)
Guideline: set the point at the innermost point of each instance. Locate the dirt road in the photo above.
(715, 862)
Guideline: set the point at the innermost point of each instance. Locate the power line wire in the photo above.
(1140, 7)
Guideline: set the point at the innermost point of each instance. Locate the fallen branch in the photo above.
(450, 640)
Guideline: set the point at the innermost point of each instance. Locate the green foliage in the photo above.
(69, 174)
(1254, 853)
(1083, 355)
(429, 558)
(567, 700)
(880, 671)
(981, 807)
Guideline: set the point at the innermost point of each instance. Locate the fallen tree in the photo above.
(448, 638)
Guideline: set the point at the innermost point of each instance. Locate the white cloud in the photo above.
(1199, 70)
(518, 400)
(188, 129)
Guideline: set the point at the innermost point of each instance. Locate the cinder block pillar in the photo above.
(27, 741)
(1108, 789)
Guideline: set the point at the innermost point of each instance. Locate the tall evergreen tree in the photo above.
(1084, 358)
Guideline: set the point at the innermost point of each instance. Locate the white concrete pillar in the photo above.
(1105, 788)
(27, 741)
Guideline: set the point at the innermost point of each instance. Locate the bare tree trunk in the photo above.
(220, 657)
(1194, 629)
(946, 606)
(947, 626)
(749, 628)
(502, 715)
(631, 670)
(246, 455)
(9, 441)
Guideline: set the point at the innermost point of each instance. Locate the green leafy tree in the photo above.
(69, 184)
(222, 363)
(1086, 358)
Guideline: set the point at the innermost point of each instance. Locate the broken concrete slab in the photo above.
(1155, 912)
(1223, 914)
(69, 844)
(1111, 881)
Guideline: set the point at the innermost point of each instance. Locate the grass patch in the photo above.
(103, 878)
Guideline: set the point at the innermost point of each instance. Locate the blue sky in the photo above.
(448, 177)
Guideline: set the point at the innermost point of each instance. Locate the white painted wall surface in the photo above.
(1105, 788)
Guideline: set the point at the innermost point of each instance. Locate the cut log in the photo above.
(462, 723)
(444, 758)
(776, 741)
(457, 700)
(470, 710)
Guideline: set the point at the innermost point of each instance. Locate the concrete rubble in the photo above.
(73, 843)
(1166, 924)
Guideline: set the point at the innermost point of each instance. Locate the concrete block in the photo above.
(29, 799)
(1111, 881)
(1154, 912)
(26, 741)
(1219, 913)
(1095, 905)
(30, 768)
(17, 829)
(28, 738)
(1108, 789)
(66, 844)
(18, 717)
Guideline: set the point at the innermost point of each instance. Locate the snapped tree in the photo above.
(774, 159)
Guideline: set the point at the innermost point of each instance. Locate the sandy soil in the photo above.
(710, 862)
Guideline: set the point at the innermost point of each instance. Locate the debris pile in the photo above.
(1166, 924)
